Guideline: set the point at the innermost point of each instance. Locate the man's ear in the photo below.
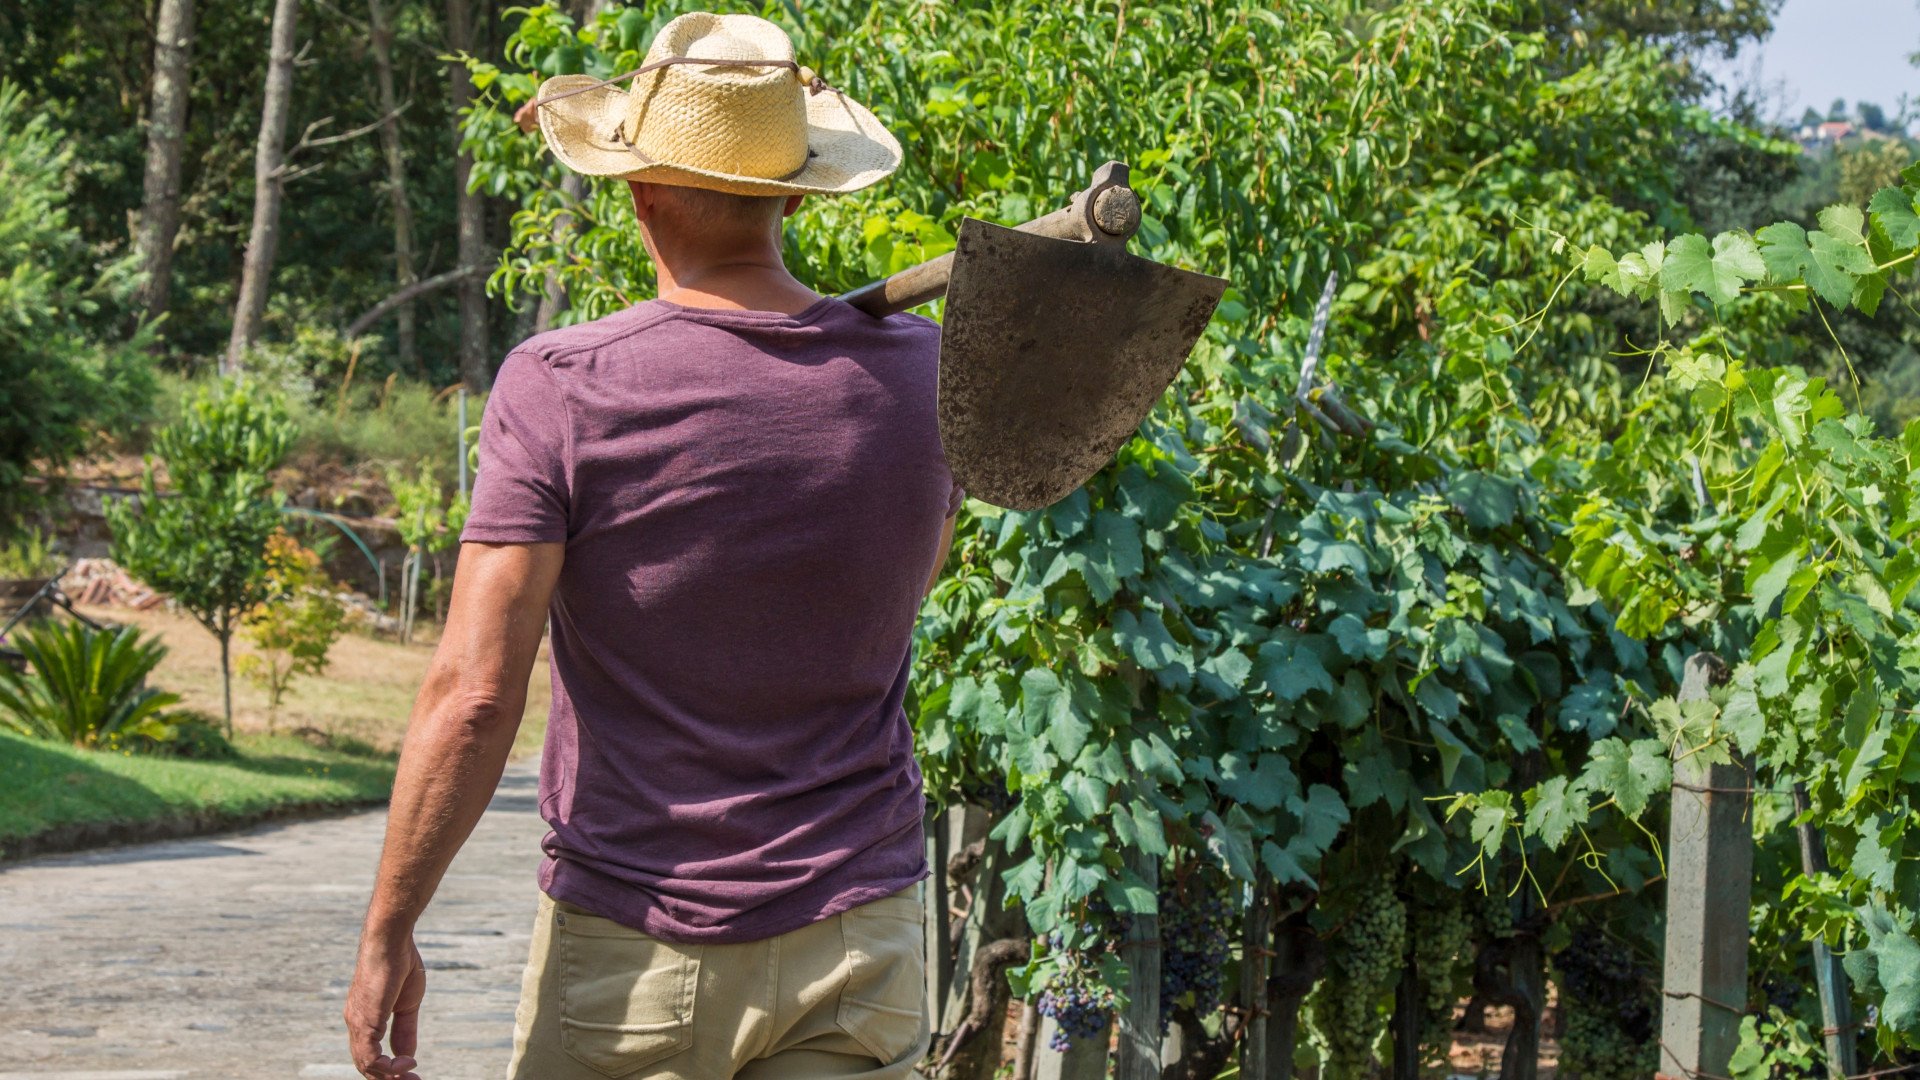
(643, 199)
(793, 205)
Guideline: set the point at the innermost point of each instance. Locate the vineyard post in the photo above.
(1085, 1059)
(1709, 889)
(940, 823)
(1139, 1056)
(1254, 954)
(1836, 1005)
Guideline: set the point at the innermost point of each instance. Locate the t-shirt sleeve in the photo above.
(520, 494)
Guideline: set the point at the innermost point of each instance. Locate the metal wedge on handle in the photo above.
(1056, 343)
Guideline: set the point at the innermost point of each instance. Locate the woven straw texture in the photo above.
(745, 130)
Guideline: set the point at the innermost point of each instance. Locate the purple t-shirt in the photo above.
(751, 505)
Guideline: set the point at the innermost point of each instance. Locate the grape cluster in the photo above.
(1442, 949)
(1078, 1005)
(1196, 923)
(1362, 967)
(1494, 916)
(1610, 1011)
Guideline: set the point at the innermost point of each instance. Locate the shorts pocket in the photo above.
(626, 999)
(884, 1003)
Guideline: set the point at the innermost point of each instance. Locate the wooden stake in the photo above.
(1139, 1051)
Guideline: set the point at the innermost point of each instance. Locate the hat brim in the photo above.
(847, 146)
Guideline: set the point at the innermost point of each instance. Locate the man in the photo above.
(727, 504)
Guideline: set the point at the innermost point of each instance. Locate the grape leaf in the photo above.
(1321, 815)
(1224, 674)
(1717, 271)
(1767, 579)
(1873, 862)
(1790, 255)
(1231, 845)
(1356, 638)
(1843, 222)
(1553, 809)
(1743, 717)
(1630, 773)
(1896, 966)
(1144, 637)
(1268, 784)
(1117, 542)
(1601, 268)
(1894, 211)
(1290, 670)
(1486, 501)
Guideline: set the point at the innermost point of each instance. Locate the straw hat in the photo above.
(720, 103)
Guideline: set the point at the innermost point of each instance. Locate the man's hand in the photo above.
(388, 983)
(527, 116)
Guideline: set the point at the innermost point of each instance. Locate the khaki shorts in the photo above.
(842, 998)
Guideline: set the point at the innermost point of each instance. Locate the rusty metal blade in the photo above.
(1052, 353)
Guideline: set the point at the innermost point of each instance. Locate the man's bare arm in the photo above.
(946, 547)
(462, 728)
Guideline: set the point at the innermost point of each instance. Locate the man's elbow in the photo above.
(472, 713)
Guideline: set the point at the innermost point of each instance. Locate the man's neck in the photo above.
(749, 280)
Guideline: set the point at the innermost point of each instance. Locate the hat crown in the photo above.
(746, 120)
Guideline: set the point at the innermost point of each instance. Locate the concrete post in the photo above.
(1709, 888)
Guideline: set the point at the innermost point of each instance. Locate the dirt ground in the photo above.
(366, 692)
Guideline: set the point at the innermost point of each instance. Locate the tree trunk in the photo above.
(471, 210)
(268, 186)
(166, 133)
(381, 42)
(226, 674)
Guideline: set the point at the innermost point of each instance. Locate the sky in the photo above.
(1826, 49)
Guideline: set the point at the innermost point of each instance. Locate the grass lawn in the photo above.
(53, 797)
(53, 792)
(366, 692)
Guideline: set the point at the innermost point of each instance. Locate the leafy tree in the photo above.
(1837, 110)
(1872, 116)
(204, 540)
(66, 371)
(295, 627)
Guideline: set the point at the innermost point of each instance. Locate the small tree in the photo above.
(429, 525)
(296, 626)
(204, 542)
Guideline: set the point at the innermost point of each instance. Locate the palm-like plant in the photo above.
(85, 686)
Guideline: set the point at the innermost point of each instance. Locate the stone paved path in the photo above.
(229, 956)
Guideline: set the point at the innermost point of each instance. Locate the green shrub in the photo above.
(297, 626)
(383, 426)
(84, 686)
(29, 555)
(68, 369)
(188, 734)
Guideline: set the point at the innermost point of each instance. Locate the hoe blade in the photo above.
(1052, 353)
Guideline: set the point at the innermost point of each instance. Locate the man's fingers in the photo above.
(527, 116)
(364, 1041)
(405, 1038)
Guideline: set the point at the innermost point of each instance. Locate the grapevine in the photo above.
(1442, 942)
(1077, 1002)
(1196, 923)
(1345, 1007)
(1611, 1017)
